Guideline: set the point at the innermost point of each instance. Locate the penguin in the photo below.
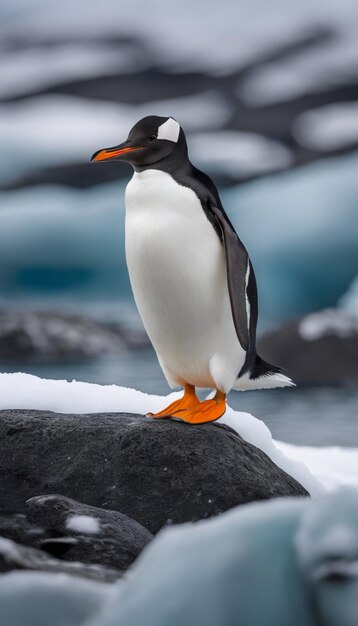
(191, 275)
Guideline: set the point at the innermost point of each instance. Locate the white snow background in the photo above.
(317, 469)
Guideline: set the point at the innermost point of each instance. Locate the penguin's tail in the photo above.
(262, 375)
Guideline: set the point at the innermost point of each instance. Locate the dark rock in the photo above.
(86, 533)
(320, 348)
(16, 557)
(152, 471)
(49, 336)
(18, 528)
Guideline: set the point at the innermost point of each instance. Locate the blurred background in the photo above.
(267, 94)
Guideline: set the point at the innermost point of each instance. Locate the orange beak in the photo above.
(110, 153)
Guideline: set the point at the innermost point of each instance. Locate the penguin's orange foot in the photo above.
(188, 401)
(207, 411)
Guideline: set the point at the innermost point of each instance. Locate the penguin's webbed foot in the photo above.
(187, 402)
(207, 411)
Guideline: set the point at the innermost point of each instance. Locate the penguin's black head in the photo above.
(151, 140)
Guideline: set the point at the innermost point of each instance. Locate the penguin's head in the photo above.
(151, 140)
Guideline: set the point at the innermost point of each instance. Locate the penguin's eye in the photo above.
(152, 137)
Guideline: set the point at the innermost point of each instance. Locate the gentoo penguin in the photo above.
(191, 275)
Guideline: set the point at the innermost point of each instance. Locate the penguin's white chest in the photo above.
(177, 270)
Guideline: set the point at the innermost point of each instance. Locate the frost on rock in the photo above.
(83, 524)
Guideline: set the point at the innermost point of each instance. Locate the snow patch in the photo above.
(258, 434)
(328, 322)
(83, 524)
(332, 466)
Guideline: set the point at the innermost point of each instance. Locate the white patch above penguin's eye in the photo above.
(169, 130)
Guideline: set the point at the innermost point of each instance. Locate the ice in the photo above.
(349, 300)
(46, 599)
(23, 391)
(328, 322)
(249, 566)
(237, 568)
(38, 224)
(300, 232)
(291, 226)
(83, 524)
(327, 550)
(330, 532)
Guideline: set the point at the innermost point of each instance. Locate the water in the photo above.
(318, 416)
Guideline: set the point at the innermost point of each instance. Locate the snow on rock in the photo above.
(23, 391)
(328, 322)
(257, 433)
(83, 524)
(154, 471)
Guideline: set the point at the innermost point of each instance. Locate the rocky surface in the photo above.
(156, 472)
(49, 336)
(14, 556)
(56, 530)
(320, 348)
(86, 533)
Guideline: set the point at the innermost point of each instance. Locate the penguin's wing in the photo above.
(237, 264)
